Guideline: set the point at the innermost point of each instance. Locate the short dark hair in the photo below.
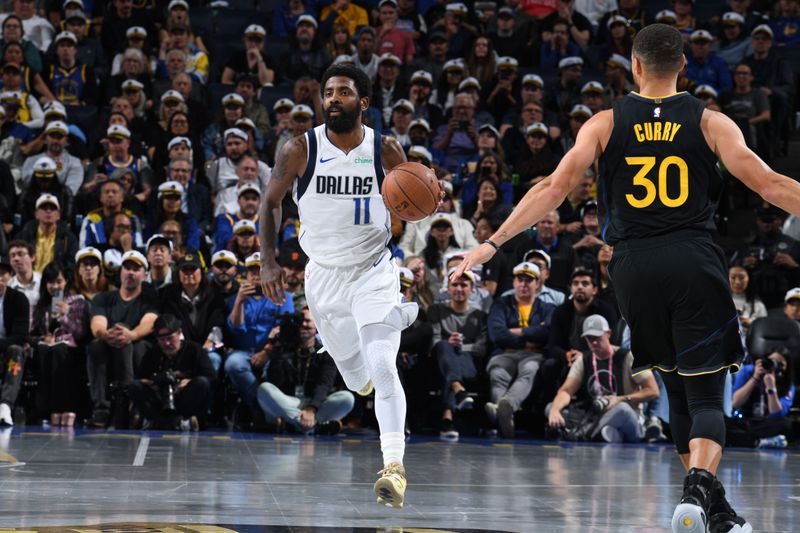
(19, 243)
(660, 48)
(359, 77)
(582, 272)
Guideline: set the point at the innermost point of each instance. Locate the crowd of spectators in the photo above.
(136, 139)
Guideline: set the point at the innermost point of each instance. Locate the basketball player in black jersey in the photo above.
(659, 189)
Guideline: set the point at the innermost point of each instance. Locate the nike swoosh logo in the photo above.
(326, 160)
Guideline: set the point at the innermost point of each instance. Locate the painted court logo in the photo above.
(657, 112)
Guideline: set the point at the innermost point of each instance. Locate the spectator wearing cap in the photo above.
(415, 236)
(592, 94)
(433, 62)
(518, 326)
(13, 32)
(458, 139)
(604, 371)
(36, 29)
(461, 28)
(100, 224)
(69, 169)
(172, 356)
(251, 59)
(247, 88)
(773, 76)
(558, 47)
(168, 207)
(617, 69)
(749, 108)
(389, 87)
(343, 12)
(30, 80)
(620, 39)
(248, 198)
(391, 39)
(136, 37)
(586, 239)
(566, 92)
(245, 241)
(545, 236)
(504, 91)
(227, 201)
(214, 140)
(223, 173)
(542, 260)
(135, 66)
(509, 39)
(365, 57)
(791, 304)
(44, 180)
(685, 21)
(224, 268)
(402, 114)
(70, 81)
(202, 310)
(453, 73)
(459, 346)
(120, 322)
(536, 159)
(286, 15)
(734, 40)
(419, 92)
(178, 13)
(30, 112)
(118, 155)
(158, 251)
(308, 55)
(195, 199)
(54, 111)
(251, 319)
(703, 66)
(89, 279)
(50, 236)
(120, 16)
(577, 117)
(16, 325)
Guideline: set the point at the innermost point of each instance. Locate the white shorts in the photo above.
(344, 300)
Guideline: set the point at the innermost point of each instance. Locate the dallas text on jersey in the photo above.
(345, 185)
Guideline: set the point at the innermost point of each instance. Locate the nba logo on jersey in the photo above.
(657, 112)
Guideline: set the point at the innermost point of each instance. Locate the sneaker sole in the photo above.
(505, 420)
(387, 493)
(465, 404)
(688, 518)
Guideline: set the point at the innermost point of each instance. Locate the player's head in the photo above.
(345, 95)
(657, 52)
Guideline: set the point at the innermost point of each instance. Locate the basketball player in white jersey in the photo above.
(335, 172)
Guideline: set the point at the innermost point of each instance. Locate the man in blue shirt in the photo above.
(252, 318)
(705, 67)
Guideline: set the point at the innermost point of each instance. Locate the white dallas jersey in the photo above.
(343, 220)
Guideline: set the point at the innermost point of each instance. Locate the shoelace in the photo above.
(393, 468)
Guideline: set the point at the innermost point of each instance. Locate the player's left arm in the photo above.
(549, 193)
(392, 153)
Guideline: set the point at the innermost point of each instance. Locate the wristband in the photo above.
(772, 391)
(491, 243)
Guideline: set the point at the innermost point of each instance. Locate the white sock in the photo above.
(393, 446)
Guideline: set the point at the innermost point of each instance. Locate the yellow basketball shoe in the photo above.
(391, 487)
(366, 390)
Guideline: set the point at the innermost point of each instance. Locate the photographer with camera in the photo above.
(300, 383)
(173, 380)
(607, 393)
(458, 139)
(763, 393)
(252, 317)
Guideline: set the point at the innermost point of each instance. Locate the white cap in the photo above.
(176, 3)
(701, 35)
(47, 198)
(7, 96)
(453, 64)
(527, 268)
(343, 59)
(580, 109)
(172, 95)
(539, 253)
(175, 141)
(617, 19)
(791, 294)
(406, 276)
(89, 251)
(732, 17)
(255, 29)
(405, 104)
(592, 87)
(132, 84)
(666, 14)
(570, 61)
(420, 152)
(66, 35)
(537, 127)
(244, 225)
(307, 18)
(117, 130)
(440, 217)
(469, 82)
(136, 30)
(391, 58)
(233, 98)
(421, 75)
(247, 187)
(533, 79)
(422, 123)
(383, 2)
(620, 61)
(253, 260)
(57, 126)
(136, 257)
(224, 255)
(68, 2)
(236, 132)
(457, 7)
(707, 90)
(507, 62)
(54, 107)
(246, 122)
(45, 165)
(469, 273)
(159, 238)
(763, 28)
(595, 326)
(283, 103)
(170, 188)
(491, 128)
(301, 110)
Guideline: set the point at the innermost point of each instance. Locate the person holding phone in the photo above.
(251, 319)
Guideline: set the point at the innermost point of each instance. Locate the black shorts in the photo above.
(673, 291)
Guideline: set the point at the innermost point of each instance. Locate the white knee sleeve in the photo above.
(380, 344)
(354, 371)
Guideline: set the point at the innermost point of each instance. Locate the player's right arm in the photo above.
(289, 164)
(727, 141)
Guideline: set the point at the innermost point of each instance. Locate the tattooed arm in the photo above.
(289, 164)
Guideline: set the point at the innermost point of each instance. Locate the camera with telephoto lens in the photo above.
(768, 364)
(289, 337)
(600, 404)
(166, 382)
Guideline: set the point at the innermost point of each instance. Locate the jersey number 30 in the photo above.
(641, 179)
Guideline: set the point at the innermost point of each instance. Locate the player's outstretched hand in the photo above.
(477, 256)
(272, 282)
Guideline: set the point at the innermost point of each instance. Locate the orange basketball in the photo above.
(411, 191)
